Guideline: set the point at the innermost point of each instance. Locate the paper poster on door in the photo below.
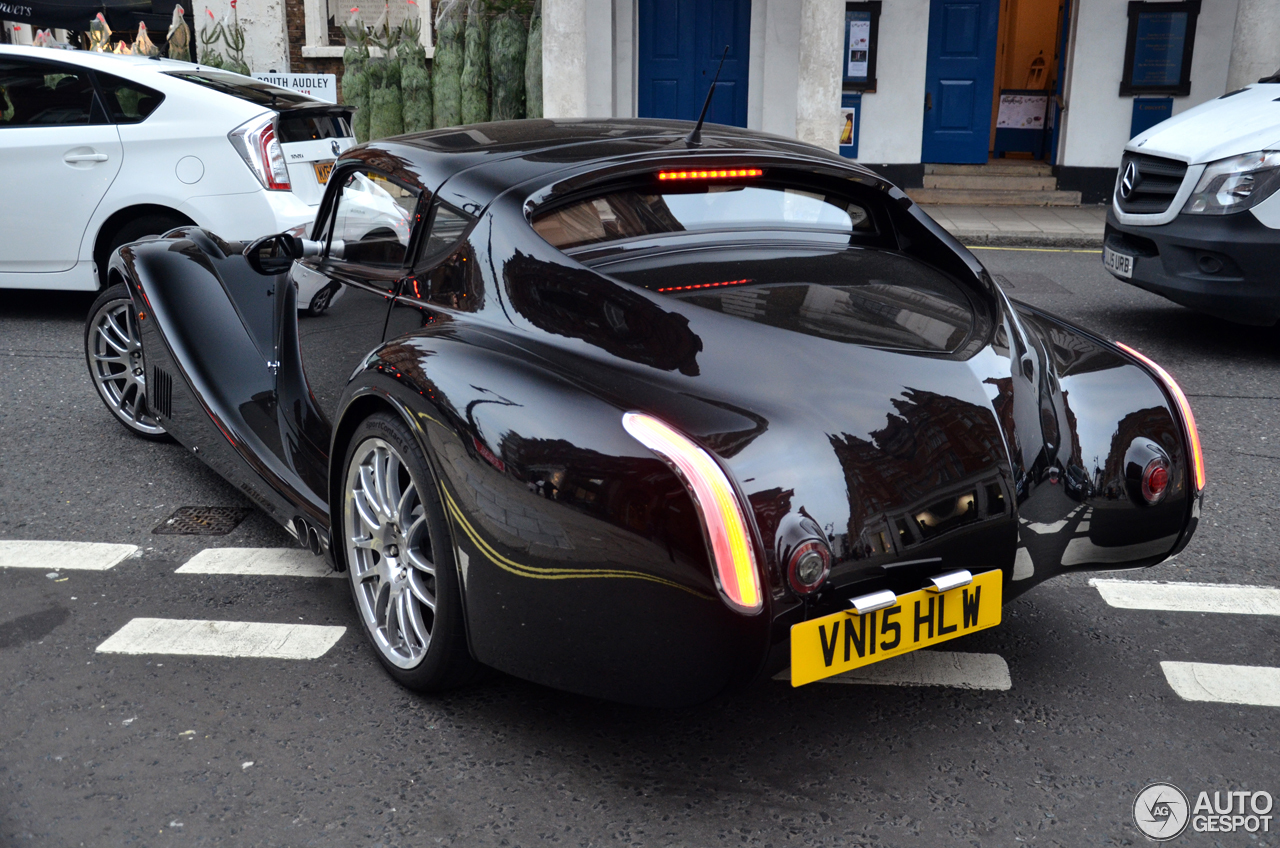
(859, 47)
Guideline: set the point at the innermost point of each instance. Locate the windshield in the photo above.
(245, 88)
(634, 213)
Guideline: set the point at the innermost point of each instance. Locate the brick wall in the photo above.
(296, 25)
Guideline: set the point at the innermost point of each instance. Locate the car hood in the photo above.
(1236, 123)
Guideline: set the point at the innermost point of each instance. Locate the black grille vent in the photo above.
(1154, 183)
(160, 392)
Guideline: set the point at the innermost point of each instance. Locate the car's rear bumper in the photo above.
(1225, 266)
(244, 217)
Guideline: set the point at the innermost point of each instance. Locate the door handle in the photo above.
(85, 157)
(928, 101)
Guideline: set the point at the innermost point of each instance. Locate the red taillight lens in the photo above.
(723, 523)
(808, 567)
(256, 142)
(1184, 408)
(711, 174)
(1155, 481)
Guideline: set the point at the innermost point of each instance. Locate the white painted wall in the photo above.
(266, 40)
(1255, 50)
(779, 62)
(1098, 121)
(892, 122)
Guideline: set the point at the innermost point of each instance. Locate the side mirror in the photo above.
(274, 254)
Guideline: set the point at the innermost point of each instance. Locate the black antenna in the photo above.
(694, 139)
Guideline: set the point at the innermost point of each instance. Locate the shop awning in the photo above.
(76, 14)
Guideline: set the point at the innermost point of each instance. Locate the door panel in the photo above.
(680, 46)
(56, 141)
(960, 80)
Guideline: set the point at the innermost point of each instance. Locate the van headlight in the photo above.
(1235, 184)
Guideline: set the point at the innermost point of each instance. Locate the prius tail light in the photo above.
(255, 140)
(723, 523)
(1184, 409)
(709, 174)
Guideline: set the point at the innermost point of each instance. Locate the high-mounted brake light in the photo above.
(719, 510)
(697, 286)
(256, 142)
(714, 174)
(1184, 407)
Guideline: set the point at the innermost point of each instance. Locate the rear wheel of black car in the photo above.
(113, 352)
(400, 558)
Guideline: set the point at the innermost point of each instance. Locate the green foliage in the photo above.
(209, 38)
(533, 65)
(475, 66)
(234, 37)
(355, 78)
(415, 80)
(386, 109)
(446, 72)
(508, 41)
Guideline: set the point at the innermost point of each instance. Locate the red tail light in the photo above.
(712, 174)
(1184, 408)
(1155, 481)
(723, 523)
(255, 141)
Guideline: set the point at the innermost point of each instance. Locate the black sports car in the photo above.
(645, 417)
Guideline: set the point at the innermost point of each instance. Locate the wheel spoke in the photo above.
(369, 487)
(111, 378)
(112, 343)
(405, 504)
(102, 357)
(420, 562)
(414, 625)
(391, 486)
(367, 511)
(418, 585)
(139, 404)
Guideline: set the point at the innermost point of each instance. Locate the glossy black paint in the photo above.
(581, 556)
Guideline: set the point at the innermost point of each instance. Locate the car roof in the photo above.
(106, 62)
(530, 149)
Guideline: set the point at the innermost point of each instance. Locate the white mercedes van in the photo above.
(1196, 213)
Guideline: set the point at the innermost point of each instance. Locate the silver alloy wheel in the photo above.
(389, 553)
(115, 354)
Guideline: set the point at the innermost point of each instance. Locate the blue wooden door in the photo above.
(680, 44)
(959, 78)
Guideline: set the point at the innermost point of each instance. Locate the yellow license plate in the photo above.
(833, 644)
(323, 170)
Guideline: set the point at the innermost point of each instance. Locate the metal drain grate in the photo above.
(202, 521)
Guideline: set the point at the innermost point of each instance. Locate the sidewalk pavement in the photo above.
(1023, 226)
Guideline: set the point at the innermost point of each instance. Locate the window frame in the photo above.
(325, 222)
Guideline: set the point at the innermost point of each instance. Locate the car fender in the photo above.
(579, 551)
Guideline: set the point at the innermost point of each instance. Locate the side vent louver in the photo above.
(160, 392)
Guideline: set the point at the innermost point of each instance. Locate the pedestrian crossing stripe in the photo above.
(196, 637)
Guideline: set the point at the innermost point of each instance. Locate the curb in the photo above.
(1059, 241)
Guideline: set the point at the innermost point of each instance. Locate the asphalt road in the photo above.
(104, 749)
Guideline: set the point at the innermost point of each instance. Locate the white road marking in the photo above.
(1225, 684)
(1023, 567)
(1045, 528)
(1188, 597)
(259, 562)
(79, 556)
(929, 668)
(222, 639)
(1083, 526)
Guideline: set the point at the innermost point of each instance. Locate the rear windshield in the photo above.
(293, 126)
(638, 212)
(850, 294)
(254, 91)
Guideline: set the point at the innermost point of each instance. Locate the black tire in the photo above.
(388, 569)
(114, 357)
(152, 224)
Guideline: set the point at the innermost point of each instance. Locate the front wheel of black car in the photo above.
(113, 352)
(400, 558)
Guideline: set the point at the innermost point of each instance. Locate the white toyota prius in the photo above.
(98, 150)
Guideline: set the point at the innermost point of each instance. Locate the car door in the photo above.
(344, 294)
(59, 153)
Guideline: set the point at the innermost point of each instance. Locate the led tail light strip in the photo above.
(723, 522)
(1188, 419)
(697, 286)
(720, 174)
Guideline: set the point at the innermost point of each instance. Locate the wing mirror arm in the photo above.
(274, 254)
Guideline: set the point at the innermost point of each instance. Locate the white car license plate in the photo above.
(1120, 264)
